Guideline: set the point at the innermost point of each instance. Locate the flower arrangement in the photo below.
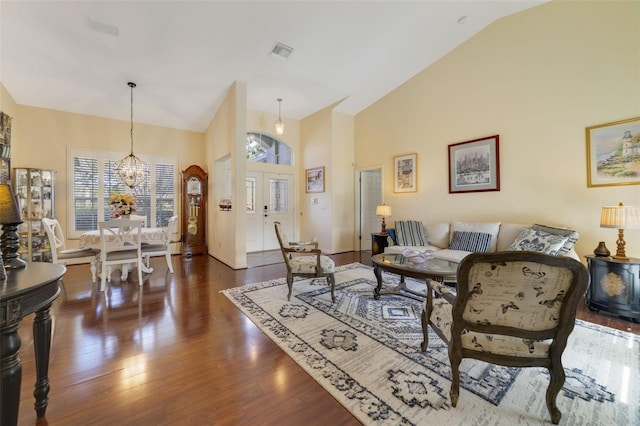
(123, 204)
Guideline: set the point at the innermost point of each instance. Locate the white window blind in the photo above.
(94, 182)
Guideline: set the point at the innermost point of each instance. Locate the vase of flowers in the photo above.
(123, 205)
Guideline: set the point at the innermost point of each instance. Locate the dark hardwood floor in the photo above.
(175, 351)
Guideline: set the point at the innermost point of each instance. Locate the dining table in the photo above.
(147, 235)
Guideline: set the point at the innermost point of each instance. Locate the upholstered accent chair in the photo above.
(304, 259)
(511, 308)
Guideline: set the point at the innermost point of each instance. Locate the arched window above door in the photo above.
(262, 148)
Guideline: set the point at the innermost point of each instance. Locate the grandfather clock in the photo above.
(194, 211)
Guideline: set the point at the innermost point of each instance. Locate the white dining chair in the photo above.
(119, 245)
(63, 256)
(163, 248)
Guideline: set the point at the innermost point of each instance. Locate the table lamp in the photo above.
(10, 219)
(620, 217)
(383, 210)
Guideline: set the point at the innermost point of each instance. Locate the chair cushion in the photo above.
(477, 242)
(123, 254)
(308, 264)
(73, 253)
(505, 345)
(410, 233)
(538, 241)
(153, 247)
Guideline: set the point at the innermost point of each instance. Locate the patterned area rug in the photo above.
(366, 353)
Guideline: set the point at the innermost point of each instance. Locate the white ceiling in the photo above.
(184, 55)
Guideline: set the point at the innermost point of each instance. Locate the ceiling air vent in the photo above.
(103, 26)
(281, 50)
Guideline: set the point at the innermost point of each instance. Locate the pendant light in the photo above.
(130, 169)
(279, 124)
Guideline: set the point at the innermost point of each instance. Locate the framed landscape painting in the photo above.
(474, 166)
(613, 153)
(315, 179)
(405, 173)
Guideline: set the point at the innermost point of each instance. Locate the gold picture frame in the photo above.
(405, 173)
(613, 153)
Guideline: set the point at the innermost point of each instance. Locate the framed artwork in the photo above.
(315, 179)
(474, 166)
(613, 153)
(405, 173)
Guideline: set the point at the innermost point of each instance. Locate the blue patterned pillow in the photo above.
(410, 233)
(538, 241)
(477, 242)
(572, 236)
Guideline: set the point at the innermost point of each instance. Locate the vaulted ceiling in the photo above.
(78, 56)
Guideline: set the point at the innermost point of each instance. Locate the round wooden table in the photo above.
(28, 290)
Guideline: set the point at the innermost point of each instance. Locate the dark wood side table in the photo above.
(378, 243)
(614, 286)
(25, 291)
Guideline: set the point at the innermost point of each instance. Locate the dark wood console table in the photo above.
(25, 291)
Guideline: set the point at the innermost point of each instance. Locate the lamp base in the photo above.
(15, 263)
(9, 244)
(383, 231)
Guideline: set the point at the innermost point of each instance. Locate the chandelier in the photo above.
(279, 125)
(130, 170)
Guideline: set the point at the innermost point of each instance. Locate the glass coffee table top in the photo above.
(431, 269)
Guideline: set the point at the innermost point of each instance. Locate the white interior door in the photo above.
(269, 199)
(370, 197)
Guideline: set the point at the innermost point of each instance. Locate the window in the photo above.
(262, 148)
(94, 182)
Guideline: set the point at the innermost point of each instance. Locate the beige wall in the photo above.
(537, 79)
(343, 183)
(8, 105)
(225, 141)
(43, 136)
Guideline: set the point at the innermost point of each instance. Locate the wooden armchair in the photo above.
(511, 308)
(305, 260)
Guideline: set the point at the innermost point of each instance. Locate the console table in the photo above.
(28, 290)
(614, 286)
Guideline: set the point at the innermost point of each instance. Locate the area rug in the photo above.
(366, 353)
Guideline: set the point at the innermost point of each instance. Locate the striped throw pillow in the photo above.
(410, 233)
(477, 242)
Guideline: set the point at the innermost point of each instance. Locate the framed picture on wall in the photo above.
(405, 173)
(474, 166)
(315, 179)
(613, 153)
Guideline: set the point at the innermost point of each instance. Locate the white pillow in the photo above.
(538, 241)
(491, 228)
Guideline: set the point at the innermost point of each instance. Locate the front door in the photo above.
(269, 199)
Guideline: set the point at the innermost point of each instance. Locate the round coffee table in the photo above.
(432, 269)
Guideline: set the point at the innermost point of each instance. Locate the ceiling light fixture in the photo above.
(279, 125)
(130, 169)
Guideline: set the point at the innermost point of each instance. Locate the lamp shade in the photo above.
(9, 213)
(383, 210)
(620, 217)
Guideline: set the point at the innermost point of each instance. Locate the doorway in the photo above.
(370, 196)
(269, 199)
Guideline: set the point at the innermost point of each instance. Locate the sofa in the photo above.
(455, 240)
